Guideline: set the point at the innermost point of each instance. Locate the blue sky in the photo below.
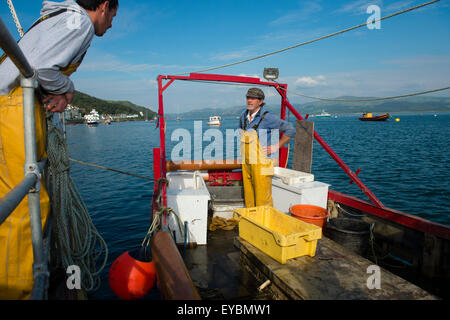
(410, 52)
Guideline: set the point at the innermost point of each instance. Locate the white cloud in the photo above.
(303, 82)
(249, 75)
(293, 35)
(401, 75)
(305, 11)
(243, 52)
(118, 66)
(99, 62)
(396, 6)
(437, 61)
(370, 83)
(359, 6)
(229, 55)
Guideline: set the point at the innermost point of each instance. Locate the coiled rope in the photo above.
(75, 236)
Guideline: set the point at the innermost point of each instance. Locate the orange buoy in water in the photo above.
(132, 275)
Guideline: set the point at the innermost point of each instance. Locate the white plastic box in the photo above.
(284, 196)
(291, 177)
(188, 196)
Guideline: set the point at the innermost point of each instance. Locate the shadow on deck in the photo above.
(216, 272)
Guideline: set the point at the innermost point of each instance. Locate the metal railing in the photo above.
(31, 182)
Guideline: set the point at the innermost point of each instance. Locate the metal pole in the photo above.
(40, 269)
(32, 167)
(11, 48)
(11, 200)
(41, 282)
(162, 135)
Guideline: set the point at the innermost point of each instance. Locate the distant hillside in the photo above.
(410, 104)
(86, 103)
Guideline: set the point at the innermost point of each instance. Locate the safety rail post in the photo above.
(283, 152)
(29, 84)
(13, 198)
(162, 134)
(40, 268)
(12, 50)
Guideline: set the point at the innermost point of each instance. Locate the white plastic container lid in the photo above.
(292, 177)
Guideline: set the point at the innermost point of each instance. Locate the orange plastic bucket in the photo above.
(310, 214)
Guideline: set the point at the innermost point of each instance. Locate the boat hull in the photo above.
(383, 117)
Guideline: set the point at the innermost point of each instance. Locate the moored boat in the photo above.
(371, 117)
(214, 121)
(323, 114)
(93, 118)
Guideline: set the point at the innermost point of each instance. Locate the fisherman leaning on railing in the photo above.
(54, 46)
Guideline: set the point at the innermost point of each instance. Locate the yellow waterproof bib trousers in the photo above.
(16, 251)
(257, 171)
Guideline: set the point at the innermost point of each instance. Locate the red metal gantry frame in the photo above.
(280, 88)
(377, 208)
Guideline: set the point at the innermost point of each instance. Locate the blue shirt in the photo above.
(269, 128)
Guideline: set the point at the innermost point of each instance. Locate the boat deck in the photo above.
(231, 268)
(216, 272)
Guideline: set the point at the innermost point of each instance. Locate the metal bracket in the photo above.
(34, 169)
(356, 174)
(29, 82)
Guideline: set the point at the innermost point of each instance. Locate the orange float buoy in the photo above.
(132, 275)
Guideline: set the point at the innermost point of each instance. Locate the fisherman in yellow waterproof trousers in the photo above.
(260, 143)
(55, 46)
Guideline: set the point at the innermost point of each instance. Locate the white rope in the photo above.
(311, 41)
(15, 17)
(76, 238)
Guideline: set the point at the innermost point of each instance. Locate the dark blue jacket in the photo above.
(269, 123)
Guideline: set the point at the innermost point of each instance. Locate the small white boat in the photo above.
(214, 121)
(323, 114)
(92, 118)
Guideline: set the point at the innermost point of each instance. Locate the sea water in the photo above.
(406, 164)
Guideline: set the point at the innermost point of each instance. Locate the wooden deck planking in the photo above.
(335, 273)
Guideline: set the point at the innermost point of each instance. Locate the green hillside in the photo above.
(86, 103)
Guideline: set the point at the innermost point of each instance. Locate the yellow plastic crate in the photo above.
(278, 235)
